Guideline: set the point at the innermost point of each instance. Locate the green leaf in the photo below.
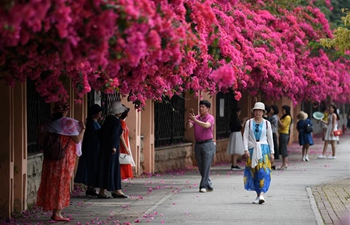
(164, 43)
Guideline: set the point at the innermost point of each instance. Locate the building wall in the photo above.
(6, 151)
(35, 164)
(173, 157)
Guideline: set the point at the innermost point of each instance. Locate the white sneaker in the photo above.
(261, 199)
(321, 157)
(331, 157)
(303, 158)
(256, 201)
(307, 158)
(203, 190)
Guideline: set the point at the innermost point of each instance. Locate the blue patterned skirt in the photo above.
(258, 179)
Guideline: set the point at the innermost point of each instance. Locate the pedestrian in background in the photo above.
(203, 125)
(259, 152)
(348, 121)
(305, 137)
(54, 190)
(284, 124)
(267, 115)
(235, 143)
(324, 122)
(332, 125)
(88, 161)
(108, 176)
(273, 118)
(125, 169)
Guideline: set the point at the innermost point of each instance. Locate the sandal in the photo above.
(283, 167)
(119, 195)
(103, 196)
(91, 192)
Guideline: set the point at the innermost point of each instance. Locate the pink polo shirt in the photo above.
(200, 133)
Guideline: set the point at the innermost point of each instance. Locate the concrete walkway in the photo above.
(315, 192)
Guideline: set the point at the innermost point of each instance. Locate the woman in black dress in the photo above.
(88, 161)
(109, 177)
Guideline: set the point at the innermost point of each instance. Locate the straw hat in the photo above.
(259, 105)
(302, 115)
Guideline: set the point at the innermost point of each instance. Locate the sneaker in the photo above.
(203, 190)
(256, 201)
(321, 157)
(303, 158)
(261, 199)
(307, 158)
(331, 157)
(236, 168)
(210, 189)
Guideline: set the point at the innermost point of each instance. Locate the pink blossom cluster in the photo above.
(146, 49)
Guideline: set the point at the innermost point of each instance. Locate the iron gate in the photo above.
(169, 117)
(225, 102)
(38, 112)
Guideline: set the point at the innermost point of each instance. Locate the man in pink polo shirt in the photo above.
(204, 149)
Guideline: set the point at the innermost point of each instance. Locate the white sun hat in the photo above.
(259, 105)
(117, 108)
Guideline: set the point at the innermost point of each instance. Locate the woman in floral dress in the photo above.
(54, 190)
(259, 152)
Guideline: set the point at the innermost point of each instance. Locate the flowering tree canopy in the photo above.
(341, 38)
(146, 49)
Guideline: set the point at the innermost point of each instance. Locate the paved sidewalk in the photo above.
(315, 192)
(333, 201)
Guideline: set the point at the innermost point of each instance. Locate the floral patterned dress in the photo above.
(54, 191)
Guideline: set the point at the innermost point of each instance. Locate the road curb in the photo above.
(314, 207)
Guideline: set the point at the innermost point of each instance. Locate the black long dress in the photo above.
(88, 161)
(108, 175)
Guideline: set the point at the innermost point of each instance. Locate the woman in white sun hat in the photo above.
(108, 176)
(259, 152)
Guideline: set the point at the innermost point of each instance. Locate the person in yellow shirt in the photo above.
(284, 130)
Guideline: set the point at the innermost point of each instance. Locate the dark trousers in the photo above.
(204, 154)
(275, 145)
(283, 142)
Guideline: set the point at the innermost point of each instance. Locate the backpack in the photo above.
(53, 148)
(267, 126)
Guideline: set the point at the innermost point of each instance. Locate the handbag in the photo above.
(337, 133)
(125, 158)
(309, 128)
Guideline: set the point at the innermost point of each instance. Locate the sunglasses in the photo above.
(256, 128)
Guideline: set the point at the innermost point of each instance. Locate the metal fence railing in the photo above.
(169, 121)
(38, 112)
